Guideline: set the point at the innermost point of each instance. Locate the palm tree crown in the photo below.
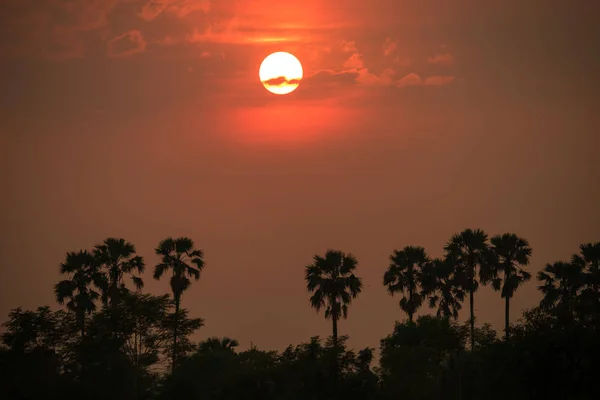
(561, 283)
(118, 257)
(78, 290)
(441, 286)
(185, 262)
(404, 276)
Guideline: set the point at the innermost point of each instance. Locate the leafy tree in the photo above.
(333, 285)
(141, 326)
(510, 254)
(404, 275)
(38, 345)
(442, 288)
(414, 356)
(118, 258)
(469, 250)
(179, 256)
(79, 290)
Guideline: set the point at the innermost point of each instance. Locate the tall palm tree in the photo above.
(118, 257)
(333, 285)
(78, 291)
(469, 250)
(179, 256)
(404, 276)
(441, 287)
(509, 255)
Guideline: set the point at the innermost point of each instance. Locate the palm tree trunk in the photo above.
(335, 331)
(506, 317)
(81, 323)
(506, 304)
(175, 333)
(472, 319)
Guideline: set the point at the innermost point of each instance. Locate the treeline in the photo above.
(114, 342)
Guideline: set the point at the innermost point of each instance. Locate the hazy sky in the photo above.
(145, 119)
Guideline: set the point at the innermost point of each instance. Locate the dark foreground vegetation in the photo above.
(111, 342)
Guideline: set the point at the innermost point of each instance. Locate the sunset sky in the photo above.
(416, 119)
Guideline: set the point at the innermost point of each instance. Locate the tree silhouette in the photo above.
(469, 250)
(510, 254)
(588, 260)
(179, 256)
(218, 344)
(441, 287)
(118, 257)
(404, 276)
(78, 291)
(561, 283)
(333, 285)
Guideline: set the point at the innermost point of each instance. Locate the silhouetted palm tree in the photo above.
(561, 283)
(179, 256)
(78, 290)
(441, 287)
(588, 260)
(218, 344)
(404, 276)
(333, 284)
(469, 250)
(118, 258)
(509, 254)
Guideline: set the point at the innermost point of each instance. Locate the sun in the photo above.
(280, 73)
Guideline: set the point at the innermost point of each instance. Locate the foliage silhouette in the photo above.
(117, 258)
(333, 285)
(86, 352)
(509, 254)
(470, 252)
(404, 275)
(179, 256)
(79, 290)
(441, 286)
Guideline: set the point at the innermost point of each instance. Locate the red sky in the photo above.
(416, 119)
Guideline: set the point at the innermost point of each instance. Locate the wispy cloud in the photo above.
(389, 46)
(152, 9)
(127, 44)
(446, 59)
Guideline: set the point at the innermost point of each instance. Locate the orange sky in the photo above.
(415, 119)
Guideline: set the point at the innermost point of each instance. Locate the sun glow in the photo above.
(280, 73)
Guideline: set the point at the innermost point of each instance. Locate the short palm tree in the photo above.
(179, 256)
(510, 254)
(213, 344)
(441, 287)
(118, 258)
(333, 285)
(469, 250)
(404, 276)
(78, 291)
